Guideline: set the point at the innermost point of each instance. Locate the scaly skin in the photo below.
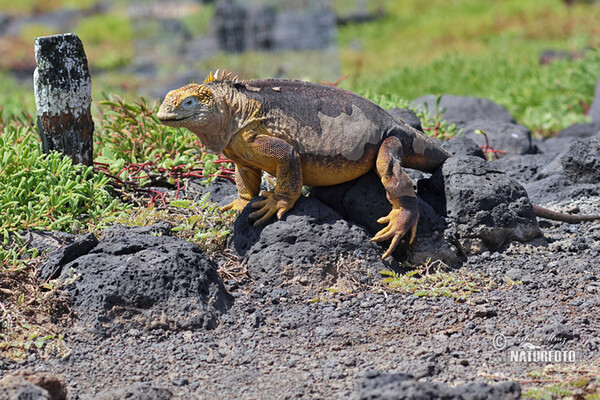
(304, 134)
(308, 134)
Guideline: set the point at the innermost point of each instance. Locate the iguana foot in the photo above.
(399, 221)
(273, 204)
(236, 205)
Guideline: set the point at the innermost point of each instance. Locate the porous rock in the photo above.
(485, 207)
(463, 146)
(26, 384)
(137, 391)
(572, 174)
(505, 137)
(17, 387)
(364, 201)
(524, 168)
(581, 162)
(380, 386)
(311, 248)
(458, 109)
(73, 247)
(143, 278)
(222, 191)
(580, 130)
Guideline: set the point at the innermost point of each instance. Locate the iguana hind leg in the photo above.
(400, 193)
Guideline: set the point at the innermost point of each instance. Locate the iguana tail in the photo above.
(556, 216)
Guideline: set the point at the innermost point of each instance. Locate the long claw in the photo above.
(383, 234)
(392, 247)
(399, 222)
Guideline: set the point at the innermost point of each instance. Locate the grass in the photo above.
(485, 49)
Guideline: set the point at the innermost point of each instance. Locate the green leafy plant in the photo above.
(432, 280)
(135, 147)
(198, 221)
(108, 40)
(44, 191)
(581, 383)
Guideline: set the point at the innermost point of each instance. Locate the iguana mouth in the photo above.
(172, 117)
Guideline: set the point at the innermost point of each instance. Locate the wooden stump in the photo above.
(63, 96)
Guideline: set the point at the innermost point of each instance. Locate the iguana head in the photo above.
(194, 107)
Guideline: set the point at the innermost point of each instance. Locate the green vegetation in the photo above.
(198, 22)
(485, 49)
(200, 222)
(134, 145)
(434, 280)
(575, 381)
(44, 191)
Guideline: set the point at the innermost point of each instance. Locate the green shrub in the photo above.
(134, 145)
(45, 191)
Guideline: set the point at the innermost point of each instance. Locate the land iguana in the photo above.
(308, 134)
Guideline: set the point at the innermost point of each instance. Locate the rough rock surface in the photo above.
(485, 207)
(309, 246)
(463, 146)
(407, 116)
(363, 201)
(141, 278)
(506, 137)
(458, 109)
(137, 391)
(377, 386)
(16, 387)
(580, 130)
(581, 162)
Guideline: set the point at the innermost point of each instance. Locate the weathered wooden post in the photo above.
(63, 96)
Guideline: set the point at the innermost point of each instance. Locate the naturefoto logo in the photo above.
(528, 349)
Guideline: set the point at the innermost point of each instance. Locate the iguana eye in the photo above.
(189, 102)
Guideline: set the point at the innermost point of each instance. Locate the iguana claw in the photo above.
(399, 222)
(271, 205)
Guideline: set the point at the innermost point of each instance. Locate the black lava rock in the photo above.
(134, 279)
(505, 137)
(581, 162)
(379, 386)
(459, 109)
(307, 245)
(137, 391)
(486, 207)
(463, 146)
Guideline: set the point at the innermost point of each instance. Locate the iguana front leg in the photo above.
(264, 152)
(282, 160)
(247, 181)
(400, 193)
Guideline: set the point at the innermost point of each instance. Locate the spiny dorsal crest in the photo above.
(221, 75)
